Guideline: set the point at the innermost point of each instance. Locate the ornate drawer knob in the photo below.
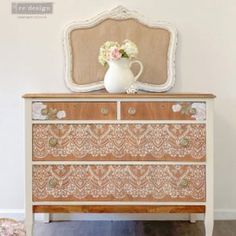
(44, 111)
(184, 142)
(104, 110)
(131, 111)
(53, 183)
(184, 183)
(193, 111)
(53, 142)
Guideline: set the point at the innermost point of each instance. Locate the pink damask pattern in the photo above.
(119, 142)
(119, 183)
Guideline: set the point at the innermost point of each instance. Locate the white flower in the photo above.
(61, 114)
(105, 51)
(130, 48)
(176, 108)
(37, 108)
(200, 111)
(132, 89)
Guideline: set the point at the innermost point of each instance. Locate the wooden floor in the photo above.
(132, 228)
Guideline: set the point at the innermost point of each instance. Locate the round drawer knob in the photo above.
(184, 142)
(184, 183)
(44, 111)
(193, 111)
(132, 111)
(53, 142)
(53, 183)
(104, 110)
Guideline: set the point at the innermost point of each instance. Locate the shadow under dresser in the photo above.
(119, 153)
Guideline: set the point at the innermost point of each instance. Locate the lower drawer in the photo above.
(119, 183)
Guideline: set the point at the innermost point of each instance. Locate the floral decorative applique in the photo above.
(37, 108)
(197, 110)
(61, 114)
(41, 112)
(201, 110)
(176, 108)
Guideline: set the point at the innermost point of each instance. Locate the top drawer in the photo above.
(163, 111)
(74, 110)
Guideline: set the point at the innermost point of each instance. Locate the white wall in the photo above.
(31, 60)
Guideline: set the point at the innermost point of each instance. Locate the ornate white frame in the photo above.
(120, 13)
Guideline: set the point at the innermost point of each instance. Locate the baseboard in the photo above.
(225, 214)
(18, 214)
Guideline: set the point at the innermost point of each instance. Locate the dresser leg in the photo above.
(29, 224)
(46, 218)
(209, 223)
(192, 218)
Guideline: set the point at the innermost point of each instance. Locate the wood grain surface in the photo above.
(152, 111)
(118, 209)
(84, 110)
(119, 95)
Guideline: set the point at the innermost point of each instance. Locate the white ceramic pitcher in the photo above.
(119, 77)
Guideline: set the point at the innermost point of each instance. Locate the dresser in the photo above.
(119, 153)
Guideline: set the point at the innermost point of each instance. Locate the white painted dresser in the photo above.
(142, 153)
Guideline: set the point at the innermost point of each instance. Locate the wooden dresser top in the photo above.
(111, 95)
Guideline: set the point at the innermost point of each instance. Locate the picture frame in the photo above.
(156, 41)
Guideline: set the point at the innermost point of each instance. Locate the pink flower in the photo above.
(115, 54)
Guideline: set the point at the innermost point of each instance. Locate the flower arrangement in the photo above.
(114, 51)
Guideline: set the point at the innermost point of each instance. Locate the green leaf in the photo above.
(123, 53)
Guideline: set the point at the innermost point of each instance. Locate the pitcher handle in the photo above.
(141, 68)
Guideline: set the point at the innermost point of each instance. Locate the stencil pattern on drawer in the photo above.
(118, 183)
(119, 142)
